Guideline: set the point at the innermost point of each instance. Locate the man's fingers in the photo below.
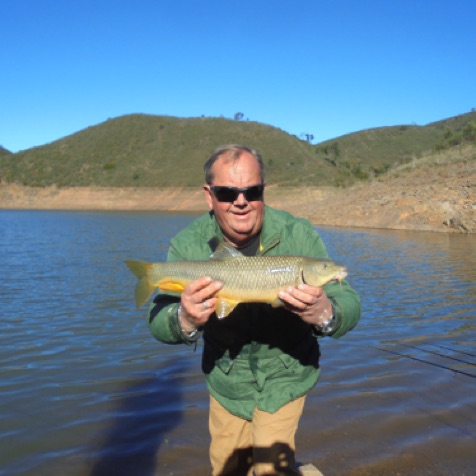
(197, 285)
(300, 297)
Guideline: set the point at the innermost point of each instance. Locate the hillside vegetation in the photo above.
(4, 151)
(158, 151)
(374, 152)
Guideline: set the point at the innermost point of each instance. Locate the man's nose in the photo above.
(241, 199)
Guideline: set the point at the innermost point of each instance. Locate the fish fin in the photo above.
(277, 303)
(143, 291)
(224, 307)
(225, 252)
(139, 268)
(144, 288)
(172, 286)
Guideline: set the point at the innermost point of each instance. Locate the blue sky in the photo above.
(321, 67)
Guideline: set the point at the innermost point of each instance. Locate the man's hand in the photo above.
(198, 303)
(310, 303)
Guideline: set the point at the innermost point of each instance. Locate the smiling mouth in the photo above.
(241, 213)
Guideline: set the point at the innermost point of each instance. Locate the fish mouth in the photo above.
(341, 275)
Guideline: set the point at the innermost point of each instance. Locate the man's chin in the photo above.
(242, 235)
(243, 231)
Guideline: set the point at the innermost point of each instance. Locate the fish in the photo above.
(245, 278)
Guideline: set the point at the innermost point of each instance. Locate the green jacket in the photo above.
(258, 356)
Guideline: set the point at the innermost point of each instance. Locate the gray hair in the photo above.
(233, 152)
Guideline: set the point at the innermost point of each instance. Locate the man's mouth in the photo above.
(241, 213)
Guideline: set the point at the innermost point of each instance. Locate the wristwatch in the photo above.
(188, 335)
(327, 327)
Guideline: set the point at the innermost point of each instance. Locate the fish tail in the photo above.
(144, 288)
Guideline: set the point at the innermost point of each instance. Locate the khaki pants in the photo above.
(264, 445)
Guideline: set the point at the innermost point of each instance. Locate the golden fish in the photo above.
(245, 279)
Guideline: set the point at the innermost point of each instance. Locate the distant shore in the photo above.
(164, 199)
(375, 205)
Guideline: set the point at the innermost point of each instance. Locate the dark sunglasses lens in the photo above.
(254, 193)
(225, 194)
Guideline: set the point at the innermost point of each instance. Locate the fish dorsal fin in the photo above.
(225, 251)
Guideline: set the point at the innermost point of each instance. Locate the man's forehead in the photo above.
(235, 156)
(231, 156)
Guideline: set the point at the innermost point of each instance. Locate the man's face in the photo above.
(240, 220)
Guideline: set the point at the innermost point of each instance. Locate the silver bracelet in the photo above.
(189, 335)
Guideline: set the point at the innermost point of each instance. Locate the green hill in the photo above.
(152, 151)
(4, 152)
(146, 151)
(375, 151)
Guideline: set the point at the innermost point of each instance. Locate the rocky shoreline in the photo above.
(443, 206)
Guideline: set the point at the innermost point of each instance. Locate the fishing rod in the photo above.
(423, 361)
(467, 374)
(452, 350)
(436, 353)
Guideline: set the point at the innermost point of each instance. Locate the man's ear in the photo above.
(208, 196)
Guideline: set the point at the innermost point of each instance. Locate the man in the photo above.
(260, 361)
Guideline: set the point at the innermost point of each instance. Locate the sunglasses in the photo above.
(230, 194)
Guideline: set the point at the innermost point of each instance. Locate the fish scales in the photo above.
(249, 278)
(245, 279)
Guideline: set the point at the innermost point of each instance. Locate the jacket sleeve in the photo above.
(345, 301)
(345, 305)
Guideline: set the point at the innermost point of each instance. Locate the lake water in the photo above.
(86, 390)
